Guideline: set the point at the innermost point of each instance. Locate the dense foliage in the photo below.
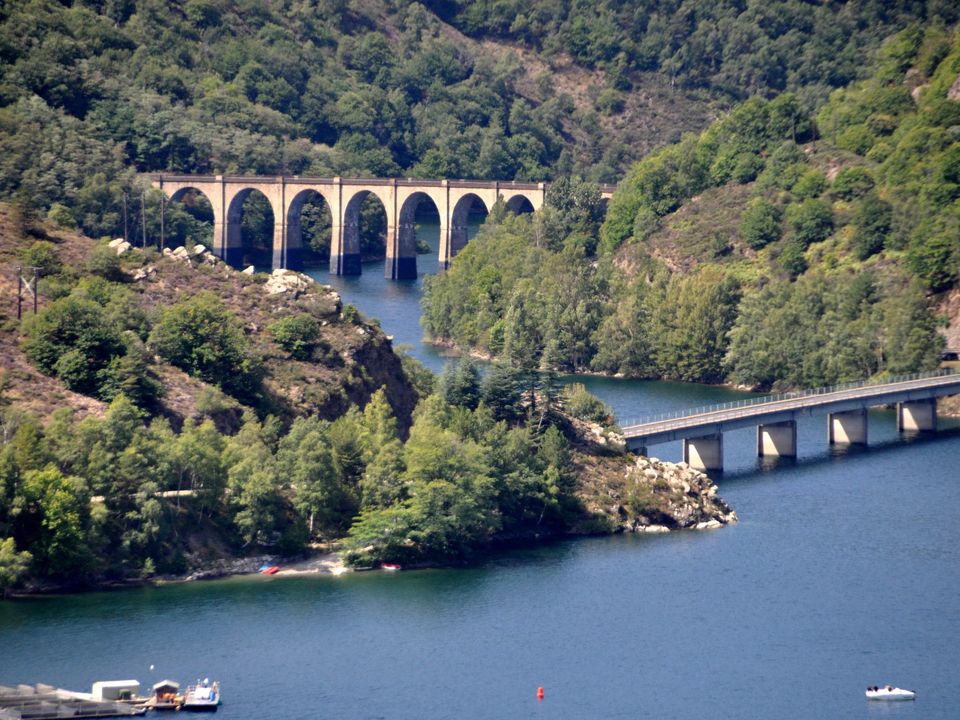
(739, 48)
(826, 251)
(91, 91)
(131, 495)
(909, 185)
(90, 500)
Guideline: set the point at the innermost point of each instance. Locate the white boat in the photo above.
(888, 692)
(202, 696)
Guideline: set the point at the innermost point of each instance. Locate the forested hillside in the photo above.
(161, 412)
(92, 91)
(774, 226)
(740, 49)
(777, 248)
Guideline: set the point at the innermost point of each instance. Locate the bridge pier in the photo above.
(345, 247)
(288, 248)
(917, 416)
(233, 240)
(848, 428)
(401, 263)
(777, 439)
(704, 453)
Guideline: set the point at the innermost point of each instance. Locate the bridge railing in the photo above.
(795, 395)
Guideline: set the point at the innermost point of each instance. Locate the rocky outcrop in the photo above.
(120, 245)
(198, 252)
(663, 496)
(287, 281)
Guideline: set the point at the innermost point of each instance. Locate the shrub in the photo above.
(298, 334)
(203, 338)
(747, 167)
(792, 258)
(580, 403)
(102, 260)
(851, 183)
(43, 255)
(610, 102)
(61, 215)
(857, 139)
(811, 221)
(760, 224)
(810, 184)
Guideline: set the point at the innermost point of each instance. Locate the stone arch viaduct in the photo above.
(453, 200)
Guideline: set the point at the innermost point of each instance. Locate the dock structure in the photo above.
(45, 702)
(775, 417)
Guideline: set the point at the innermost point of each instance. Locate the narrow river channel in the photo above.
(843, 572)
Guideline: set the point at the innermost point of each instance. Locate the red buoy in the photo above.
(539, 693)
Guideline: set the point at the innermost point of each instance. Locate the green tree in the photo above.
(197, 464)
(694, 321)
(810, 221)
(502, 392)
(760, 223)
(460, 383)
(378, 425)
(203, 338)
(298, 334)
(43, 255)
(13, 565)
(304, 460)
(72, 339)
(259, 510)
(52, 515)
(852, 182)
(873, 219)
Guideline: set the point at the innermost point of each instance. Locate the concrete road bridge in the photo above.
(453, 200)
(775, 417)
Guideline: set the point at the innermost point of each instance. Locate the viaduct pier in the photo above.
(453, 200)
(775, 417)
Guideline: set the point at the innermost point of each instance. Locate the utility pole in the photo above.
(143, 218)
(31, 285)
(163, 210)
(125, 216)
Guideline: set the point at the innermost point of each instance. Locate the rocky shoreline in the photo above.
(680, 498)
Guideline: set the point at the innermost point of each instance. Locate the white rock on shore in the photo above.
(670, 496)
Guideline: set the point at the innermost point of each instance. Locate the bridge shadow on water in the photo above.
(832, 455)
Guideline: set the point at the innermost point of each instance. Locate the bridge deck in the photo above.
(399, 182)
(781, 408)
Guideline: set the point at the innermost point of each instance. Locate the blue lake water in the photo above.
(844, 571)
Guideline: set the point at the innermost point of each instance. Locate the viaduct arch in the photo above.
(453, 200)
